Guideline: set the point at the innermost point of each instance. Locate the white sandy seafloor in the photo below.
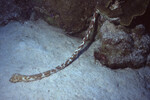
(34, 47)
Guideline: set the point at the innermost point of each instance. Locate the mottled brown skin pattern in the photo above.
(28, 78)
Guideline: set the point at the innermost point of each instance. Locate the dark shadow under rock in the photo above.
(14, 10)
(120, 49)
(148, 60)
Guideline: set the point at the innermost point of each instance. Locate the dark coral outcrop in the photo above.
(71, 15)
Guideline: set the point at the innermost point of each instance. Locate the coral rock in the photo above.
(120, 49)
(126, 10)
